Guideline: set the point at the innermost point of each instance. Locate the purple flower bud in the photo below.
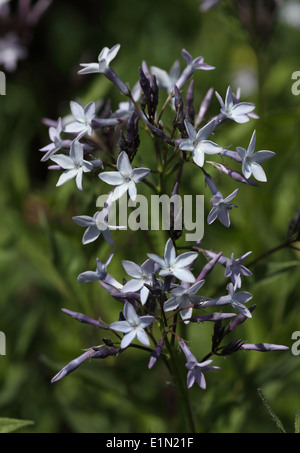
(240, 319)
(155, 354)
(263, 347)
(189, 103)
(204, 107)
(83, 318)
(178, 104)
(232, 347)
(237, 176)
(208, 267)
(71, 366)
(213, 317)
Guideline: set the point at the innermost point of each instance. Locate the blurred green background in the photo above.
(40, 247)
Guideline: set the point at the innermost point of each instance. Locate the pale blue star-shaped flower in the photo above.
(99, 274)
(233, 267)
(251, 160)
(83, 119)
(236, 112)
(176, 266)
(182, 298)
(74, 164)
(104, 58)
(96, 225)
(133, 327)
(220, 208)
(196, 369)
(236, 300)
(141, 274)
(197, 142)
(125, 178)
(192, 64)
(57, 142)
(167, 80)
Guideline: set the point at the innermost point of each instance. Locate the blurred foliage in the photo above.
(41, 252)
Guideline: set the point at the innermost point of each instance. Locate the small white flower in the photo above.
(236, 112)
(197, 143)
(74, 164)
(236, 300)
(125, 178)
(133, 326)
(104, 58)
(183, 298)
(140, 276)
(176, 266)
(251, 160)
(220, 208)
(83, 119)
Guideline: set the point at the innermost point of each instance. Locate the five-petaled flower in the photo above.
(197, 142)
(133, 326)
(196, 369)
(141, 274)
(99, 274)
(236, 300)
(220, 208)
(104, 58)
(83, 119)
(251, 160)
(57, 142)
(175, 266)
(97, 225)
(125, 178)
(236, 112)
(74, 164)
(183, 298)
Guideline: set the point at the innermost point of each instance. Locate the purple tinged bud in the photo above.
(208, 267)
(204, 107)
(232, 154)
(237, 176)
(189, 103)
(213, 317)
(232, 347)
(145, 85)
(71, 366)
(240, 319)
(83, 318)
(155, 354)
(146, 69)
(263, 347)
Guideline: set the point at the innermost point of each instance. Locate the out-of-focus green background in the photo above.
(40, 247)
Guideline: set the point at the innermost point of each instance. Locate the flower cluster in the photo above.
(162, 293)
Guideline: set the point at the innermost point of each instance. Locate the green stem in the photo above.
(181, 388)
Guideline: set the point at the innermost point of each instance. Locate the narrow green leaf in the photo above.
(10, 425)
(273, 416)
